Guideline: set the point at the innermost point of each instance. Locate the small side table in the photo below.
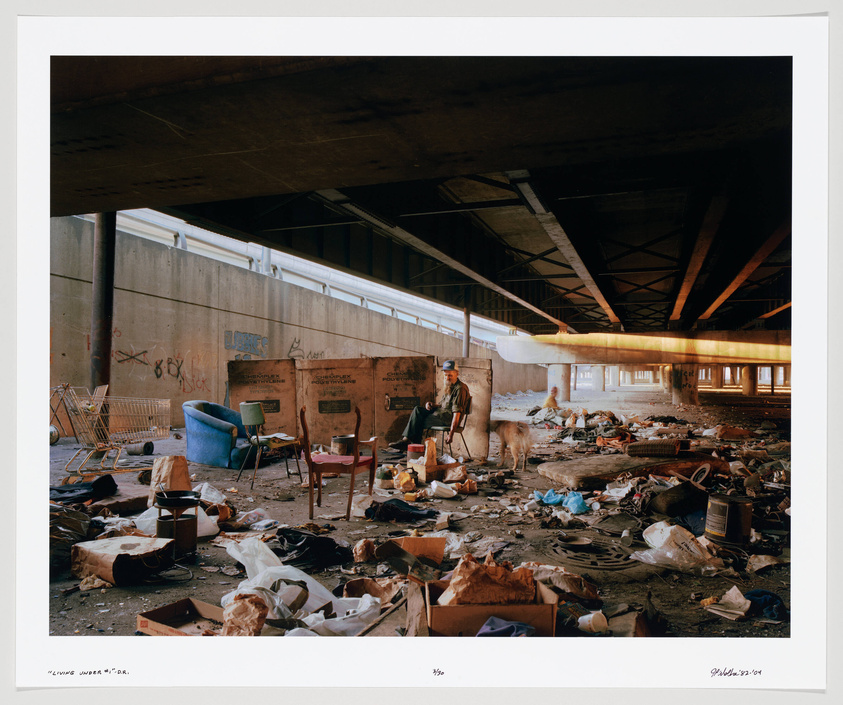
(272, 442)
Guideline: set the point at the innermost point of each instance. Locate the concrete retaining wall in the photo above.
(180, 317)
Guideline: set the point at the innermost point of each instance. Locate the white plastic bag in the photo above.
(210, 494)
(269, 578)
(246, 519)
(675, 547)
(351, 623)
(205, 525)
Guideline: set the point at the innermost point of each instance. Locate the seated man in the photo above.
(447, 412)
(550, 402)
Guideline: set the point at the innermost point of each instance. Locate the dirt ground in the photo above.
(675, 595)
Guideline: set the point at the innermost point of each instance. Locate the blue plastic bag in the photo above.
(550, 497)
(575, 504)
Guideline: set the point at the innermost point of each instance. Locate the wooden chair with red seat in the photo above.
(319, 463)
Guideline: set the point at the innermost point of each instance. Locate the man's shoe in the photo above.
(399, 445)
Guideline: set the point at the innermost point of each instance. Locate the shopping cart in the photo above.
(104, 425)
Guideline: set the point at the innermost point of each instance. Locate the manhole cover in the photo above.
(602, 554)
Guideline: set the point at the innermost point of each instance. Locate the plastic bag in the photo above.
(549, 497)
(210, 494)
(67, 527)
(274, 582)
(349, 624)
(246, 519)
(675, 547)
(565, 517)
(575, 504)
(205, 525)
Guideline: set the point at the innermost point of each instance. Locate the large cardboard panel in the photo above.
(477, 374)
(466, 620)
(330, 389)
(400, 384)
(273, 384)
(187, 617)
(121, 560)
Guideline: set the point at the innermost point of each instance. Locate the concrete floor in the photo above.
(285, 500)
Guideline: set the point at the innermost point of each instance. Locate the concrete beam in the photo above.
(341, 201)
(560, 238)
(702, 245)
(722, 347)
(763, 253)
(772, 313)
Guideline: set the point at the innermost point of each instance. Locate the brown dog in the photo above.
(516, 436)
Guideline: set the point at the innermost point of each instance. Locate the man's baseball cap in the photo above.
(449, 365)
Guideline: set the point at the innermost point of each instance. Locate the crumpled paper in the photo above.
(488, 583)
(364, 550)
(733, 605)
(467, 487)
(563, 581)
(404, 481)
(457, 474)
(245, 615)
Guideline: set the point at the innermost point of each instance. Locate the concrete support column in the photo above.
(575, 373)
(559, 376)
(102, 297)
(749, 380)
(786, 375)
(466, 341)
(614, 376)
(598, 378)
(717, 377)
(736, 374)
(684, 384)
(666, 383)
(773, 371)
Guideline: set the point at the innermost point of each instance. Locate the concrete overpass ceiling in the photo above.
(654, 192)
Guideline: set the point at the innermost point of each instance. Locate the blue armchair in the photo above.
(215, 435)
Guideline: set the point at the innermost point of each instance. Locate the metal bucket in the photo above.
(728, 520)
(342, 445)
(141, 448)
(184, 532)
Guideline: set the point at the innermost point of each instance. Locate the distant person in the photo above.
(448, 412)
(550, 402)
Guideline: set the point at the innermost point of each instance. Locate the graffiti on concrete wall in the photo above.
(296, 353)
(247, 344)
(186, 372)
(684, 379)
(185, 369)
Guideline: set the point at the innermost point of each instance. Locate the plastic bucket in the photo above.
(728, 519)
(415, 451)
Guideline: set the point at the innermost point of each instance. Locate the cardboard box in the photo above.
(466, 620)
(429, 473)
(430, 547)
(270, 382)
(187, 617)
(121, 560)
